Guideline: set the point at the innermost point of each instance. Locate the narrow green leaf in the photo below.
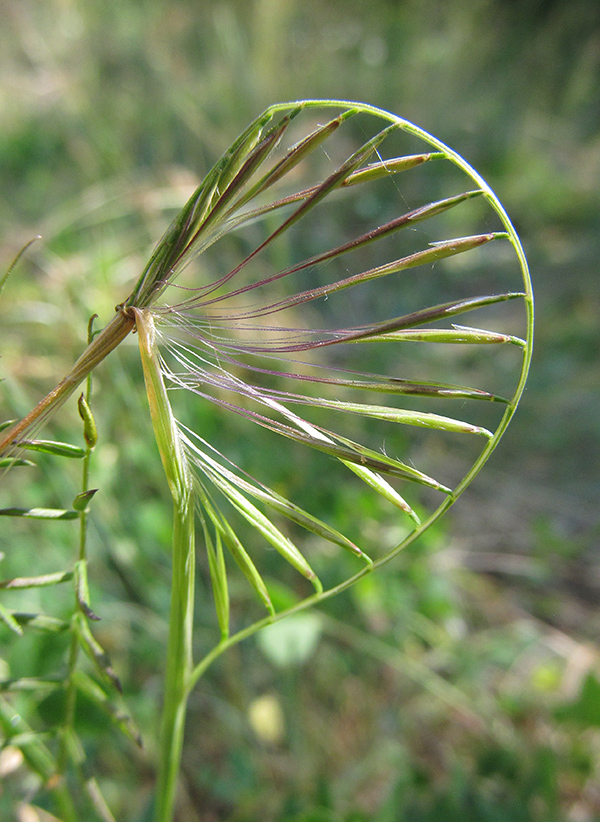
(6, 424)
(11, 462)
(9, 620)
(39, 513)
(31, 683)
(41, 622)
(57, 449)
(37, 582)
(73, 747)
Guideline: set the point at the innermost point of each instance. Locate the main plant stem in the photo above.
(179, 660)
(181, 616)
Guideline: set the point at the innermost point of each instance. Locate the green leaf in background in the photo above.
(584, 710)
(291, 641)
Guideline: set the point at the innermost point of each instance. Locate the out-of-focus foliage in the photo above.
(467, 686)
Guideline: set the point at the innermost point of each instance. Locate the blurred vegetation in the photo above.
(463, 684)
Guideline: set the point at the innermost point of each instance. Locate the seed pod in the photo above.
(90, 434)
(80, 503)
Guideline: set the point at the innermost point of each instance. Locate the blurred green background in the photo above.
(465, 684)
